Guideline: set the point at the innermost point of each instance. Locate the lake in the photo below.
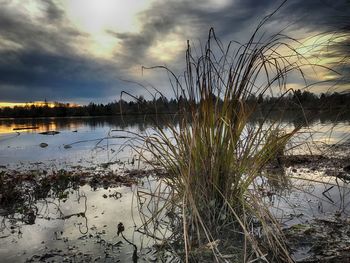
(80, 141)
(61, 233)
(92, 141)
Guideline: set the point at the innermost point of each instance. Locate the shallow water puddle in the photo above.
(313, 195)
(314, 206)
(83, 228)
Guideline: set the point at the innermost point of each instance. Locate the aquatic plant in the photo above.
(213, 157)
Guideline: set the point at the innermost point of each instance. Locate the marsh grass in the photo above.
(210, 200)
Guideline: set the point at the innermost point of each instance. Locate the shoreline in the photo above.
(24, 187)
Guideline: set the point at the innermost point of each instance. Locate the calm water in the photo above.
(81, 141)
(92, 142)
(62, 235)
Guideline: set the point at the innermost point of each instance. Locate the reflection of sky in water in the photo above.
(313, 195)
(102, 218)
(87, 148)
(105, 213)
(311, 139)
(83, 134)
(328, 133)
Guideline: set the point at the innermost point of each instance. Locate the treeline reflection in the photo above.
(142, 122)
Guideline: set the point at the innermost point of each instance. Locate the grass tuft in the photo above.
(211, 195)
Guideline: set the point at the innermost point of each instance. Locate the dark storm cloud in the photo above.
(34, 35)
(40, 57)
(40, 69)
(236, 20)
(53, 12)
(36, 75)
(45, 64)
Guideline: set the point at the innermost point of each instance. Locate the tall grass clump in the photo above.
(214, 158)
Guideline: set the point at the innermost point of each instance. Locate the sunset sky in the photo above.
(82, 50)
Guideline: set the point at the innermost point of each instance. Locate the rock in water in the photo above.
(43, 145)
(30, 218)
(121, 228)
(49, 133)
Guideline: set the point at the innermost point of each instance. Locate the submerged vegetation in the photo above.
(20, 190)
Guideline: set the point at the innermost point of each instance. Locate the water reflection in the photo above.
(82, 220)
(89, 141)
(141, 123)
(305, 118)
(79, 123)
(81, 227)
(313, 195)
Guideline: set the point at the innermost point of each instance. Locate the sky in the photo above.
(85, 51)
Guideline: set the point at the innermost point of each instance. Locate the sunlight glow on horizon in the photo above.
(35, 103)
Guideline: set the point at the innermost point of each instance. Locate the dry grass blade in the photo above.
(213, 157)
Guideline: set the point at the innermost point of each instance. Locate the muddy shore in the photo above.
(324, 239)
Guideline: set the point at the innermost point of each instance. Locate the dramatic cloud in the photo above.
(75, 50)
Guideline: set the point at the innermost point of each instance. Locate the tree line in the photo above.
(292, 101)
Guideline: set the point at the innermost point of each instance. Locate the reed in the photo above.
(213, 157)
